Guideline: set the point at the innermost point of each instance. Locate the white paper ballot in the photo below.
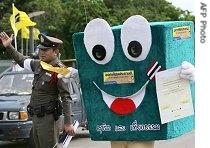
(174, 95)
(69, 137)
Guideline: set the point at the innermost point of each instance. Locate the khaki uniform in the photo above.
(45, 91)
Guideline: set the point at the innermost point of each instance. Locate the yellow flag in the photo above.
(19, 19)
(36, 33)
(60, 70)
(25, 33)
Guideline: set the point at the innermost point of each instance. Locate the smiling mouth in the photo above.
(123, 105)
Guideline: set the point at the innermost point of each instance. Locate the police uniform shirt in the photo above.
(42, 91)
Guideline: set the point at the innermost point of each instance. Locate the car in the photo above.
(15, 92)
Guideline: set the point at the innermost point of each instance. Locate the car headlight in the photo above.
(13, 115)
(22, 115)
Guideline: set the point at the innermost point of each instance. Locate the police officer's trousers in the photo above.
(45, 131)
(132, 144)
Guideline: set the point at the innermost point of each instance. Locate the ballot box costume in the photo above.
(117, 68)
(45, 106)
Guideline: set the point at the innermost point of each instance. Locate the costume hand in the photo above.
(6, 40)
(72, 74)
(69, 129)
(187, 71)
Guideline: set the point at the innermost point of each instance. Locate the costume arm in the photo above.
(187, 71)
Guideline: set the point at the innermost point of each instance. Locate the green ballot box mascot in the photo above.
(117, 67)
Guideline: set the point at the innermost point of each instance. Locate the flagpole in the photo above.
(13, 13)
(14, 25)
(22, 45)
(26, 47)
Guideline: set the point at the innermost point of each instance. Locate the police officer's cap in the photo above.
(47, 42)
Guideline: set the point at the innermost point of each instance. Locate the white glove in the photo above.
(187, 71)
(72, 74)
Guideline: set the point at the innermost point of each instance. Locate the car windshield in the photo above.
(16, 84)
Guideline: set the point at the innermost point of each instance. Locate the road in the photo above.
(185, 141)
(82, 140)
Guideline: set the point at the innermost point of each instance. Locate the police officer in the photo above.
(45, 107)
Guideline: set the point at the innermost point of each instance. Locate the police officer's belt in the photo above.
(41, 110)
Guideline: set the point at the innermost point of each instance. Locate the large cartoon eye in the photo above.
(134, 49)
(136, 38)
(99, 41)
(99, 52)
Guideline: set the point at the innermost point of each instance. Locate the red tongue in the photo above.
(122, 106)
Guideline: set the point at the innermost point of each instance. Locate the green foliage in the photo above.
(62, 18)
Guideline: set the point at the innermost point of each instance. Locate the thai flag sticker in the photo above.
(153, 69)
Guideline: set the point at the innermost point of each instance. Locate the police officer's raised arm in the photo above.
(6, 41)
(18, 57)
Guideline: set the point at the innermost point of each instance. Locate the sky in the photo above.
(184, 4)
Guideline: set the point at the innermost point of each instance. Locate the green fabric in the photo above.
(102, 122)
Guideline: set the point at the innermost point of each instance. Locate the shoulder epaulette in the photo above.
(60, 64)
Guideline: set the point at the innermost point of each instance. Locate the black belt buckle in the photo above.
(49, 108)
(39, 111)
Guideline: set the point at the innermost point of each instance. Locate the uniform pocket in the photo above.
(42, 82)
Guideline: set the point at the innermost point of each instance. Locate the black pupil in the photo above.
(134, 49)
(99, 52)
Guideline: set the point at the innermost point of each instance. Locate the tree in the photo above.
(62, 18)
(77, 14)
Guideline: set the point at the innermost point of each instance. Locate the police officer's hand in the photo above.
(6, 40)
(187, 71)
(72, 74)
(69, 128)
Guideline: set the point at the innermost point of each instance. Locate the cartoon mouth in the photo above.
(123, 105)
